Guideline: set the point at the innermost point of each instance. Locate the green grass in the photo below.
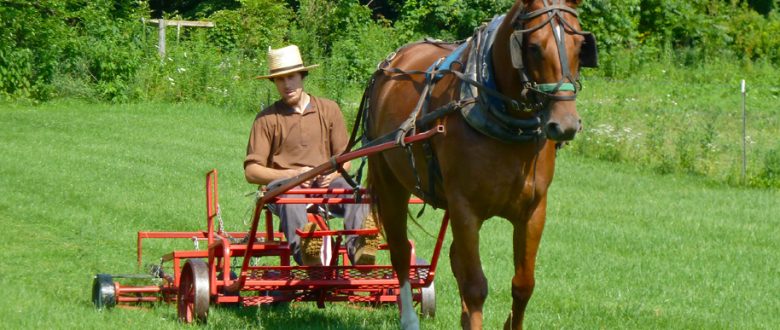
(623, 247)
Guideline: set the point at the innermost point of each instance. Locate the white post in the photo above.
(744, 135)
(161, 46)
(143, 26)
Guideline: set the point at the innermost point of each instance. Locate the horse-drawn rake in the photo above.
(253, 268)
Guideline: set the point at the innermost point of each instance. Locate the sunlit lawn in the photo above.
(622, 248)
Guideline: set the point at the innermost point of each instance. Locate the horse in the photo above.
(496, 156)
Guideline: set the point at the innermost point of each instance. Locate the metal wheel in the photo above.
(428, 301)
(428, 297)
(103, 291)
(193, 299)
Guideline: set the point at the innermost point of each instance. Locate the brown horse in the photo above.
(535, 59)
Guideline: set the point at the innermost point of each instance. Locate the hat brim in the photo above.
(285, 72)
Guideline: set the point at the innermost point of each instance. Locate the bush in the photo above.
(615, 24)
(31, 40)
(770, 173)
(251, 28)
(110, 54)
(46, 47)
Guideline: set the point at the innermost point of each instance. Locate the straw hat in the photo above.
(285, 60)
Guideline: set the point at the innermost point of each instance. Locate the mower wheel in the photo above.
(428, 297)
(103, 291)
(193, 299)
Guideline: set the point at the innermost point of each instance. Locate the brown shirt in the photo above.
(284, 139)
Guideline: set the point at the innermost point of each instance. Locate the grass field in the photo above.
(623, 248)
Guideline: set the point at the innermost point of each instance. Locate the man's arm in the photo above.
(259, 174)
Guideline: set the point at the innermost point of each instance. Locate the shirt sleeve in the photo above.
(258, 148)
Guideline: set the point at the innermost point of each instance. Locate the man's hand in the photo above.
(299, 171)
(325, 180)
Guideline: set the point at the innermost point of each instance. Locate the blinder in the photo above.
(589, 53)
(516, 49)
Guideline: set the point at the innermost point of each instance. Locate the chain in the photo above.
(221, 229)
(160, 269)
(195, 242)
(247, 214)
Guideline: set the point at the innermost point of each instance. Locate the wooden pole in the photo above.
(171, 22)
(162, 23)
(143, 27)
(161, 45)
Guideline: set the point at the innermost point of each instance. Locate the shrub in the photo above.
(615, 24)
(30, 44)
(252, 27)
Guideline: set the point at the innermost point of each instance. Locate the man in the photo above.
(293, 135)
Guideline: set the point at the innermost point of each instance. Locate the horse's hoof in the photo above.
(413, 324)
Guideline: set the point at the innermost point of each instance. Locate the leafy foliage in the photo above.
(250, 28)
(445, 19)
(93, 42)
(30, 45)
(98, 49)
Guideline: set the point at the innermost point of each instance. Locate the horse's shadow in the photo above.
(305, 315)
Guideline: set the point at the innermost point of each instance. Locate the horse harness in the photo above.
(480, 103)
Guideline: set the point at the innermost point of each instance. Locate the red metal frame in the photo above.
(311, 174)
(334, 282)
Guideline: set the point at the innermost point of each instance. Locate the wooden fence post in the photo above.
(162, 23)
(161, 34)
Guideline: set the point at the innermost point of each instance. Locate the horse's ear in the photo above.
(574, 3)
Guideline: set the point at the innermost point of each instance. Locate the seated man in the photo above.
(291, 136)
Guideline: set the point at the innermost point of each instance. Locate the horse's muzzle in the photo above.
(563, 129)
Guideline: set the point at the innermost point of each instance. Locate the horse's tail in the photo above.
(362, 123)
(360, 117)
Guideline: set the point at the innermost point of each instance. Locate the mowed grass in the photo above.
(622, 248)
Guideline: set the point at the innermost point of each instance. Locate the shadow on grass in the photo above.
(306, 315)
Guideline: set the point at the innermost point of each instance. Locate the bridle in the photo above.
(539, 94)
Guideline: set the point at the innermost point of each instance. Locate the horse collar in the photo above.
(484, 108)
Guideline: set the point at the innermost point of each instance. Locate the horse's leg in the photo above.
(392, 202)
(466, 264)
(526, 238)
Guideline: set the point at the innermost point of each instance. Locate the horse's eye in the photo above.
(535, 50)
(579, 41)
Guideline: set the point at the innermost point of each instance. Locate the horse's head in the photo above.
(547, 47)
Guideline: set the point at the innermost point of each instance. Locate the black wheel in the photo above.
(428, 297)
(103, 291)
(193, 298)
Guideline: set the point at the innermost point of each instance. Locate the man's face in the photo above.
(290, 87)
